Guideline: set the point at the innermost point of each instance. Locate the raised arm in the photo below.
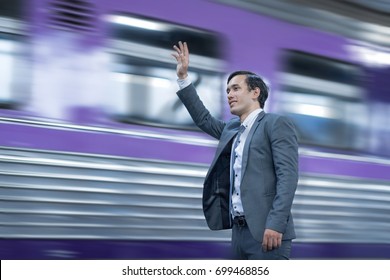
(188, 95)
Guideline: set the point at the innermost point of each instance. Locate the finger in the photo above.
(279, 242)
(270, 244)
(176, 56)
(185, 49)
(181, 46)
(265, 244)
(177, 49)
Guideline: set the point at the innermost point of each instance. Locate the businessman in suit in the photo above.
(252, 179)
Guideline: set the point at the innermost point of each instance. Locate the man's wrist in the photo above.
(183, 83)
(182, 77)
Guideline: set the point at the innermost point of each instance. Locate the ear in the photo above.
(256, 92)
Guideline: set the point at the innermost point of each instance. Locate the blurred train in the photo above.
(99, 159)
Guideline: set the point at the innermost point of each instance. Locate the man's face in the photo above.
(241, 100)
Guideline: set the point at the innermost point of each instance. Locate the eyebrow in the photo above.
(231, 86)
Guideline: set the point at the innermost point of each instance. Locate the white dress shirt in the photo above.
(237, 209)
(183, 83)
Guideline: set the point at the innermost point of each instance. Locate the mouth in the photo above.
(232, 103)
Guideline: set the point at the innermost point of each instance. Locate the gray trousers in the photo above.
(245, 247)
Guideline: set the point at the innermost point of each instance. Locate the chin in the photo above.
(234, 111)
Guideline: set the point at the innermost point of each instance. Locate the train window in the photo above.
(14, 71)
(325, 99)
(143, 72)
(13, 60)
(11, 8)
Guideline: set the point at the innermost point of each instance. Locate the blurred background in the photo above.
(100, 160)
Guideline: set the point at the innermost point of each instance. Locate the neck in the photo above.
(246, 114)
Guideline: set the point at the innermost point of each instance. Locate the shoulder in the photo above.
(276, 118)
(276, 124)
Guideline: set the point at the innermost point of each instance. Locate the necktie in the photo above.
(232, 159)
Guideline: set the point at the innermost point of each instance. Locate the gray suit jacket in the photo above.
(269, 170)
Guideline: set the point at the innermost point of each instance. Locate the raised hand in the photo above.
(182, 57)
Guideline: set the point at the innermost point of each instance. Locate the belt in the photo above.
(240, 221)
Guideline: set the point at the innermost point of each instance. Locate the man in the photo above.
(252, 180)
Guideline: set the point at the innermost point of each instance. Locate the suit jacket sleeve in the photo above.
(199, 113)
(284, 147)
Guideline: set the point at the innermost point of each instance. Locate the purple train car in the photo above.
(99, 159)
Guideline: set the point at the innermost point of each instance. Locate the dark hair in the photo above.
(253, 81)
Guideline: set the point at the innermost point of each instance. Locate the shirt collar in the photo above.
(250, 119)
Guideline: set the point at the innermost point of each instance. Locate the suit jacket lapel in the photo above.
(247, 143)
(225, 139)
